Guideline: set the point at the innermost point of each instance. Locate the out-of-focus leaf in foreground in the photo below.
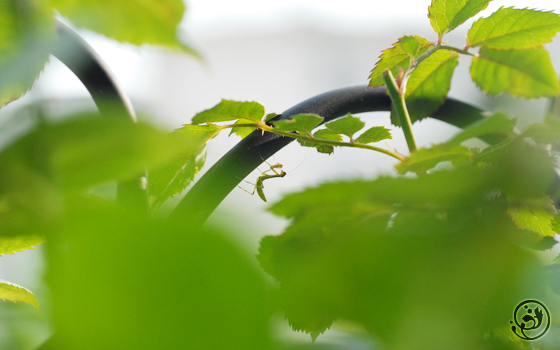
(121, 281)
(401, 254)
(15, 293)
(137, 22)
(87, 150)
(427, 158)
(174, 176)
(27, 34)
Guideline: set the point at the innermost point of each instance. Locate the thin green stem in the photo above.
(333, 143)
(313, 139)
(456, 49)
(399, 104)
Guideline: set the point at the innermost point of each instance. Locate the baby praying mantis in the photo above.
(259, 186)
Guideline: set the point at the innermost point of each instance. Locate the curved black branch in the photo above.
(107, 94)
(241, 160)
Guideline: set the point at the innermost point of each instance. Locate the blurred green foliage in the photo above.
(437, 259)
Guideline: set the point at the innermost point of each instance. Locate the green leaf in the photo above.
(228, 110)
(446, 15)
(498, 123)
(410, 44)
(429, 84)
(546, 132)
(322, 134)
(269, 117)
(522, 73)
(302, 123)
(112, 269)
(243, 132)
(510, 28)
(343, 256)
(394, 58)
(138, 22)
(374, 134)
(533, 214)
(27, 34)
(174, 176)
(427, 158)
(347, 125)
(15, 293)
(11, 244)
(85, 151)
(328, 135)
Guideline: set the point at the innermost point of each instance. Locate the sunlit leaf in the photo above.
(446, 15)
(498, 123)
(394, 58)
(137, 22)
(11, 244)
(27, 34)
(374, 134)
(410, 44)
(347, 125)
(522, 73)
(510, 28)
(15, 293)
(535, 214)
(174, 176)
(429, 84)
(228, 110)
(427, 158)
(302, 123)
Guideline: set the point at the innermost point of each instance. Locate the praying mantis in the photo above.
(259, 186)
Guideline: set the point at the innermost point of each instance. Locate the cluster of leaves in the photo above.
(39, 170)
(511, 58)
(28, 32)
(395, 251)
(401, 254)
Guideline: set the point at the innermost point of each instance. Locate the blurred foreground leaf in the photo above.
(121, 281)
(399, 255)
(137, 22)
(27, 34)
(174, 176)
